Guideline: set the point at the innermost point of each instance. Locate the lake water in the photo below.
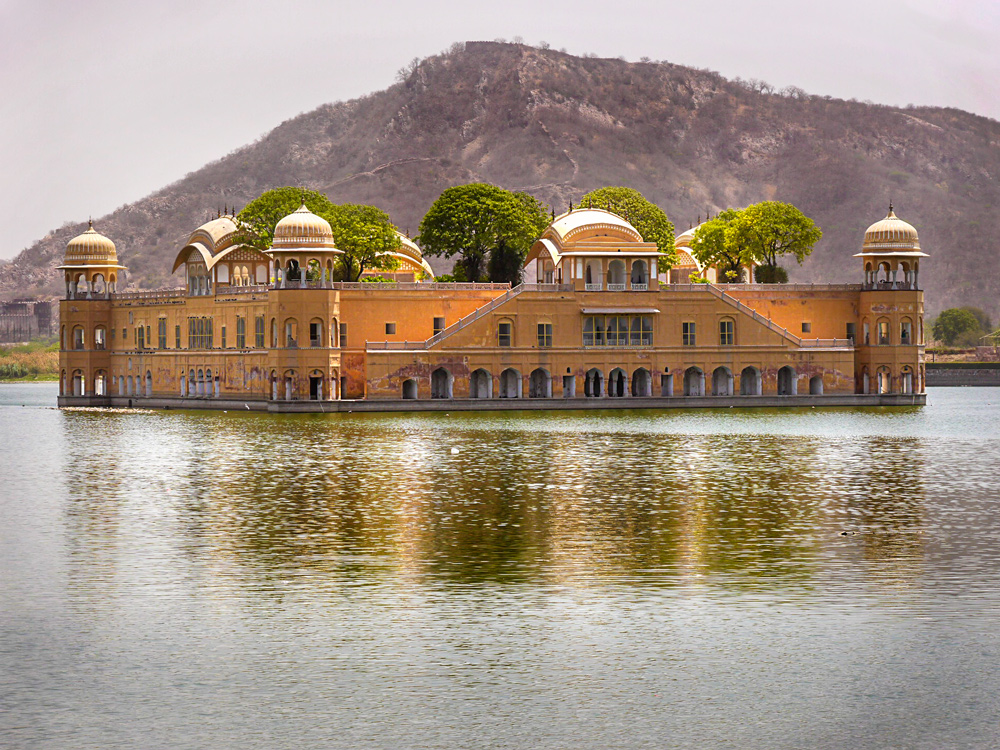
(540, 580)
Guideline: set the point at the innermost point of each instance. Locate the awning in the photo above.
(619, 311)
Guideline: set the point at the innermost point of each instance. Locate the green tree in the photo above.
(981, 317)
(367, 238)
(257, 220)
(956, 325)
(485, 226)
(714, 245)
(647, 217)
(772, 230)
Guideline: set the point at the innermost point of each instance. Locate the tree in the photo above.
(486, 226)
(367, 238)
(647, 217)
(956, 325)
(257, 220)
(771, 230)
(714, 245)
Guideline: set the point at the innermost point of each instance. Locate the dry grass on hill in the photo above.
(38, 360)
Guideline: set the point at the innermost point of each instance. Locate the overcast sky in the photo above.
(105, 101)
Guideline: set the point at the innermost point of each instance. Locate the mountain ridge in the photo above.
(558, 126)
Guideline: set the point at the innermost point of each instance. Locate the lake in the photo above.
(806, 578)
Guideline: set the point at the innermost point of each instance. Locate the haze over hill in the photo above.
(558, 125)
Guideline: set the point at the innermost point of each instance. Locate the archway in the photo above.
(540, 383)
(289, 384)
(192, 384)
(593, 384)
(816, 385)
(510, 383)
(884, 380)
(694, 382)
(788, 382)
(100, 383)
(722, 382)
(616, 383)
(667, 383)
(78, 383)
(149, 383)
(750, 382)
(480, 384)
(639, 277)
(316, 385)
(906, 380)
(642, 383)
(616, 275)
(442, 383)
(409, 388)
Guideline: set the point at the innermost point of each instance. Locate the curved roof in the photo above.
(684, 238)
(595, 220)
(90, 249)
(409, 251)
(302, 228)
(891, 234)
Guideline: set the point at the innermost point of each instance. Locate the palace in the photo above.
(594, 325)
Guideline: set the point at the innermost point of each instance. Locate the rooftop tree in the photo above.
(367, 238)
(257, 220)
(714, 245)
(648, 218)
(772, 230)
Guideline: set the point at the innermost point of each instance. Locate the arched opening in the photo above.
(750, 382)
(313, 271)
(642, 383)
(129, 386)
(616, 275)
(906, 380)
(289, 385)
(667, 383)
(593, 276)
(62, 338)
(869, 274)
(291, 270)
(510, 383)
(906, 332)
(316, 336)
(274, 333)
(816, 385)
(540, 383)
(291, 333)
(787, 381)
(480, 384)
(100, 287)
(183, 385)
(593, 383)
(884, 380)
(334, 333)
(882, 274)
(78, 337)
(100, 338)
(316, 385)
(409, 388)
(640, 276)
(78, 383)
(617, 383)
(63, 383)
(442, 383)
(883, 331)
(149, 384)
(722, 382)
(100, 383)
(274, 385)
(192, 384)
(201, 382)
(694, 382)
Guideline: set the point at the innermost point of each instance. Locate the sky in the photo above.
(103, 102)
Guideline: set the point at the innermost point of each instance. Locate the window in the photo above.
(200, 333)
(687, 333)
(343, 334)
(617, 330)
(223, 337)
(161, 333)
(78, 337)
(315, 334)
(545, 334)
(124, 335)
(177, 337)
(149, 335)
(727, 335)
(906, 333)
(241, 332)
(390, 329)
(438, 325)
(505, 333)
(852, 331)
(867, 333)
(258, 331)
(807, 327)
(99, 342)
(883, 332)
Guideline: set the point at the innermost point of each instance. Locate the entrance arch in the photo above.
(510, 383)
(442, 383)
(593, 383)
(750, 382)
(694, 382)
(788, 381)
(540, 383)
(642, 383)
(481, 384)
(722, 382)
(617, 387)
(409, 388)
(816, 385)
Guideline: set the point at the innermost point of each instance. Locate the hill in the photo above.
(558, 125)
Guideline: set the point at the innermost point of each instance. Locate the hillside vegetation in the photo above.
(556, 125)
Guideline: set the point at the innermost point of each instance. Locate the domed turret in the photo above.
(90, 265)
(891, 254)
(302, 229)
(303, 250)
(891, 233)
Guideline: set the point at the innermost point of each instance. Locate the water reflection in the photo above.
(490, 498)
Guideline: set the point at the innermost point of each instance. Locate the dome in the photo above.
(891, 234)
(91, 249)
(593, 220)
(300, 229)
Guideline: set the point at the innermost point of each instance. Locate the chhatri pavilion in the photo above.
(593, 325)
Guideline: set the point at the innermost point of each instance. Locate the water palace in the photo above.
(594, 326)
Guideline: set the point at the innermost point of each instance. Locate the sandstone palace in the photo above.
(594, 325)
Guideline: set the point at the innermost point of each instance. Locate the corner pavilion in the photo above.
(594, 325)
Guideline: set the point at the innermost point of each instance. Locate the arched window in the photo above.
(884, 332)
(149, 383)
(616, 275)
(409, 388)
(884, 380)
(640, 276)
(291, 333)
(79, 384)
(316, 337)
(100, 337)
(78, 337)
(906, 380)
(906, 332)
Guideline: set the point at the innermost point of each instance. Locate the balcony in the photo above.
(616, 287)
(594, 287)
(640, 287)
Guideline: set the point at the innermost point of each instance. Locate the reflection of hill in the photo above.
(362, 497)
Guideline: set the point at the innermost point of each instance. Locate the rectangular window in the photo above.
(617, 330)
(687, 334)
(258, 331)
(852, 331)
(545, 334)
(727, 335)
(241, 332)
(200, 334)
(124, 335)
(807, 327)
(390, 329)
(343, 335)
(140, 334)
(593, 330)
(223, 337)
(99, 338)
(177, 337)
(161, 332)
(438, 325)
(149, 335)
(505, 333)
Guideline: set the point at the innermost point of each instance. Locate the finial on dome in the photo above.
(571, 206)
(90, 222)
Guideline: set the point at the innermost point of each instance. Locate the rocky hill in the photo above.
(558, 125)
